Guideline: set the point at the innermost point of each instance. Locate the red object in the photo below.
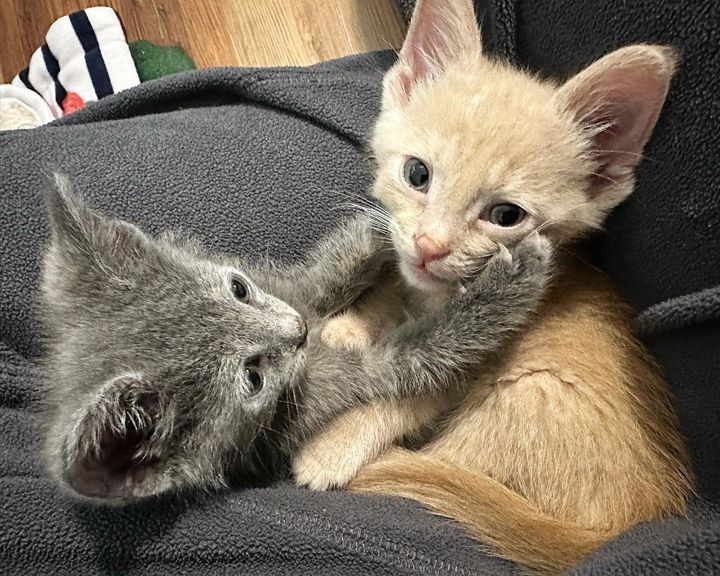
(72, 102)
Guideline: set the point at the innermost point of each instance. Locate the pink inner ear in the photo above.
(404, 80)
(620, 95)
(439, 33)
(619, 143)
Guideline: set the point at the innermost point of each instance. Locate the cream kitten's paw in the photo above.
(320, 466)
(346, 331)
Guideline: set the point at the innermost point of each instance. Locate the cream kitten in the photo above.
(568, 437)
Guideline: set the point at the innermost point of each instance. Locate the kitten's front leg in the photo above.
(428, 355)
(432, 355)
(336, 272)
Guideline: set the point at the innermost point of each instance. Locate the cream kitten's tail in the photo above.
(491, 512)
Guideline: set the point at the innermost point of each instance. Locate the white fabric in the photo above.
(20, 107)
(73, 73)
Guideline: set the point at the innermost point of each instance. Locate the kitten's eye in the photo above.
(506, 215)
(416, 174)
(239, 290)
(254, 379)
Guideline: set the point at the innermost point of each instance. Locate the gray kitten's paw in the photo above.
(525, 267)
(532, 256)
(363, 230)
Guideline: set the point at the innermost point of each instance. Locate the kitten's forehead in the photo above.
(485, 130)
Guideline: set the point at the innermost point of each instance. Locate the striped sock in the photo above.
(86, 58)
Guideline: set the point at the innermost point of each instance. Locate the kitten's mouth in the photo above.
(422, 275)
(422, 272)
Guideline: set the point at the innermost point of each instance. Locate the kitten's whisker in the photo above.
(580, 259)
(560, 219)
(288, 403)
(604, 177)
(357, 197)
(376, 214)
(261, 427)
(473, 264)
(637, 154)
(293, 392)
(472, 271)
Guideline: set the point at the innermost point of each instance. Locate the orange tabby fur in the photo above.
(569, 441)
(568, 437)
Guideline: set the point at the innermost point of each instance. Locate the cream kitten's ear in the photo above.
(441, 32)
(619, 97)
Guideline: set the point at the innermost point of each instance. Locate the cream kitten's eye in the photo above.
(505, 215)
(417, 174)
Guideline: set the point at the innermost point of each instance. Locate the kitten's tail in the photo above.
(508, 523)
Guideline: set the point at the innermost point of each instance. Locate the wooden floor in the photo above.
(218, 32)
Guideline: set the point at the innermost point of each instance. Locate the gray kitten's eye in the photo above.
(254, 379)
(506, 215)
(239, 290)
(416, 174)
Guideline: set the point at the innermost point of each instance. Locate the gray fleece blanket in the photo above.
(256, 162)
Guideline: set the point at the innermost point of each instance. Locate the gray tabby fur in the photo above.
(147, 349)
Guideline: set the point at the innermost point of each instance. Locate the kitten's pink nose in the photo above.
(429, 249)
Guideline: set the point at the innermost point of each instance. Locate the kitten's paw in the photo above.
(368, 239)
(346, 331)
(319, 466)
(528, 261)
(533, 254)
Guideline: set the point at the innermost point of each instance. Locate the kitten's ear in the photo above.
(117, 450)
(618, 99)
(441, 32)
(83, 233)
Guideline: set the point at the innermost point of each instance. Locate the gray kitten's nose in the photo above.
(303, 332)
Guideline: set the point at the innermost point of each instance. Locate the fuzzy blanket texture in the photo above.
(260, 162)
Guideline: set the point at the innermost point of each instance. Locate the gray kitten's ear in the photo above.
(118, 447)
(84, 233)
(441, 33)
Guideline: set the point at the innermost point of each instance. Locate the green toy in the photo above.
(153, 61)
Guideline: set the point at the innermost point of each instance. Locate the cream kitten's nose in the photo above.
(429, 248)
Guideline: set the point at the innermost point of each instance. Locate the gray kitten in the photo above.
(166, 366)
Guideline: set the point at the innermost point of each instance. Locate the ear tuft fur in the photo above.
(618, 99)
(68, 213)
(441, 33)
(118, 448)
(85, 236)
